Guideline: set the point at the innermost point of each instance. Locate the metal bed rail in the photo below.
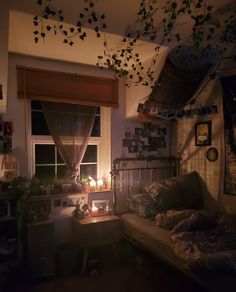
(131, 175)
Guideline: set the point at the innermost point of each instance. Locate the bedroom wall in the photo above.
(194, 157)
(16, 107)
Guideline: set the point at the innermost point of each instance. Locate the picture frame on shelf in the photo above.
(100, 207)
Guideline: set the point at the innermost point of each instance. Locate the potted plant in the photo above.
(85, 183)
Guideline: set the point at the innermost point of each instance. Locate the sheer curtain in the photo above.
(70, 126)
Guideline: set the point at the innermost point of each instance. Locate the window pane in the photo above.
(59, 158)
(45, 173)
(96, 127)
(62, 172)
(44, 154)
(39, 125)
(88, 169)
(90, 154)
(36, 105)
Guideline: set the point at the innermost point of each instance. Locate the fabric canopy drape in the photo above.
(70, 126)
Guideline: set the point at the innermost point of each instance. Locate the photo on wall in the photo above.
(203, 134)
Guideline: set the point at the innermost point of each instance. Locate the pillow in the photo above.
(190, 190)
(143, 205)
(166, 194)
(199, 220)
(171, 218)
(177, 192)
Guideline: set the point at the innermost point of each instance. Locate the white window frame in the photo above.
(103, 143)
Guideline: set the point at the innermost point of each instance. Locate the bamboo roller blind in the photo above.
(63, 87)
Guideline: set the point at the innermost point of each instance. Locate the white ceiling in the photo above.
(120, 14)
(21, 40)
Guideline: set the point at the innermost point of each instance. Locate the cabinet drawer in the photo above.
(40, 232)
(42, 267)
(98, 234)
(38, 250)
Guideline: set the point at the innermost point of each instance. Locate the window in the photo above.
(39, 125)
(48, 164)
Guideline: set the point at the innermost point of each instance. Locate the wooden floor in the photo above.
(133, 274)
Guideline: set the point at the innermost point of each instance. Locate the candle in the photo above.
(99, 184)
(94, 211)
(92, 185)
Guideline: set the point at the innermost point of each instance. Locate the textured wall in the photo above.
(194, 157)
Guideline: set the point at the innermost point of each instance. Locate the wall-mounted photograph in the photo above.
(203, 134)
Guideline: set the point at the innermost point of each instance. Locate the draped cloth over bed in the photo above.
(203, 241)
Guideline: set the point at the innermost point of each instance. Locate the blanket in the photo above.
(201, 240)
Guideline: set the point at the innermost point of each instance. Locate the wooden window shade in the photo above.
(62, 87)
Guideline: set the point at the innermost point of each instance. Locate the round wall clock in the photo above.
(212, 154)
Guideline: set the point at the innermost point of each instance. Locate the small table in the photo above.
(94, 232)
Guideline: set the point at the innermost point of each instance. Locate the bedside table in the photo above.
(94, 232)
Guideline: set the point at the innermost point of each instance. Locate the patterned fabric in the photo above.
(171, 218)
(198, 220)
(181, 192)
(166, 194)
(143, 205)
(206, 243)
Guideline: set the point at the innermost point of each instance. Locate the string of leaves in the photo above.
(156, 22)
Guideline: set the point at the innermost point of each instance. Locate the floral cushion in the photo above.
(166, 194)
(177, 192)
(143, 205)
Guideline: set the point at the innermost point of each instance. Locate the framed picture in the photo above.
(203, 134)
(100, 204)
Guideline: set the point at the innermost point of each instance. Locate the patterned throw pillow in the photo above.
(177, 192)
(166, 194)
(143, 205)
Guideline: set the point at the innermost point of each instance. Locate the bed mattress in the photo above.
(144, 233)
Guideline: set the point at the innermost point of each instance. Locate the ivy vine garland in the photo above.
(211, 29)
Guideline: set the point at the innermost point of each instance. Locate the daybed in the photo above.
(168, 219)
